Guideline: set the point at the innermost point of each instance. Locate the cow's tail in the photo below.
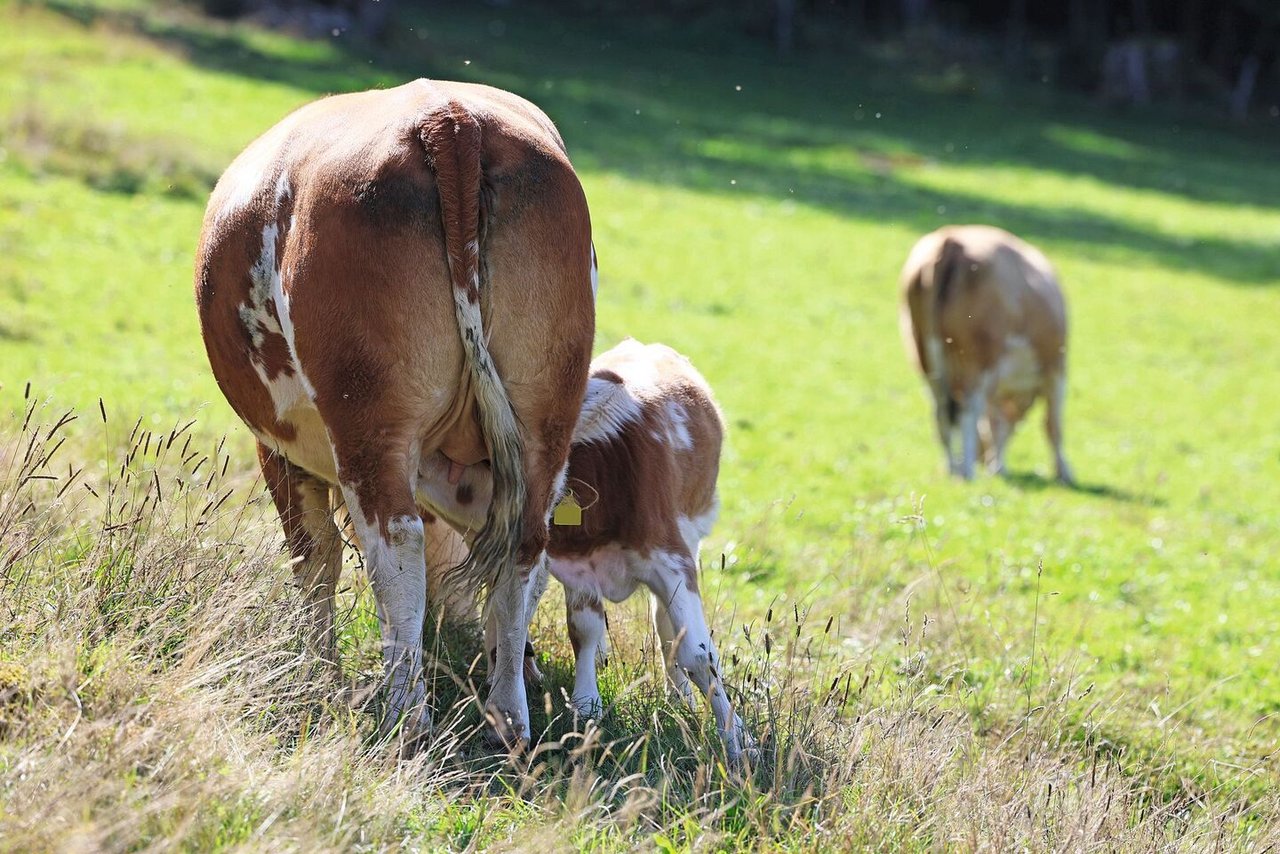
(943, 278)
(451, 137)
(945, 272)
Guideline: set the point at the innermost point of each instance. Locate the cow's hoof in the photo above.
(410, 733)
(506, 731)
(588, 707)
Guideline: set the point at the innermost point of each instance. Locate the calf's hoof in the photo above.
(741, 749)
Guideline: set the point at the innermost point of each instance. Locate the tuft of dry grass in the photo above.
(155, 693)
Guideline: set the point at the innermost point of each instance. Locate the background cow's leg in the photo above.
(306, 514)
(970, 411)
(944, 414)
(672, 576)
(677, 679)
(1000, 430)
(986, 439)
(1055, 398)
(584, 612)
(375, 485)
(972, 407)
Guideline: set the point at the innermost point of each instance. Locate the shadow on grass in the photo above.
(841, 134)
(1035, 482)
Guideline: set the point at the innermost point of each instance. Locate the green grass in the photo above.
(754, 215)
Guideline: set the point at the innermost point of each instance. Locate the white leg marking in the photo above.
(584, 614)
(397, 571)
(533, 592)
(941, 391)
(1000, 432)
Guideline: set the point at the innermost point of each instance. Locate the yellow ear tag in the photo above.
(568, 511)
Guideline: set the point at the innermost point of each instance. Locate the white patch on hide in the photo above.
(678, 425)
(607, 409)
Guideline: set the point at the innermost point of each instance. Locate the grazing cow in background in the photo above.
(983, 315)
(394, 286)
(644, 462)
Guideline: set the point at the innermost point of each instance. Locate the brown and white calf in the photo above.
(644, 463)
(393, 286)
(984, 318)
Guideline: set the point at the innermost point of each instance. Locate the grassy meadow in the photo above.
(930, 665)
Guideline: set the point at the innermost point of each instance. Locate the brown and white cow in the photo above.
(644, 463)
(984, 317)
(394, 286)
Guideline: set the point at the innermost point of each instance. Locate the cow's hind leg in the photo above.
(374, 477)
(306, 515)
(532, 675)
(517, 588)
(584, 612)
(508, 611)
(672, 576)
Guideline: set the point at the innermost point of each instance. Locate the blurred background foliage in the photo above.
(1222, 55)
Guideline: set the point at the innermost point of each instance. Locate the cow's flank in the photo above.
(394, 286)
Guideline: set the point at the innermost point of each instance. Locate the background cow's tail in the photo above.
(451, 136)
(945, 273)
(943, 277)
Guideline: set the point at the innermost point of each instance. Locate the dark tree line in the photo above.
(1223, 52)
(1220, 52)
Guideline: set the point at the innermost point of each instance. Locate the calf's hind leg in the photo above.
(672, 577)
(584, 612)
(668, 641)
